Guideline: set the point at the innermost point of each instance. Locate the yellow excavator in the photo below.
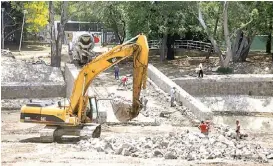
(79, 118)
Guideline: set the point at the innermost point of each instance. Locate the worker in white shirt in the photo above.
(200, 74)
(173, 91)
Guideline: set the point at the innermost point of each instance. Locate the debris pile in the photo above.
(186, 145)
(14, 70)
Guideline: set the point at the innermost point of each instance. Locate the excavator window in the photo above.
(93, 106)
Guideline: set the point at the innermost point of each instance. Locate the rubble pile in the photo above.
(186, 146)
(13, 104)
(177, 116)
(14, 70)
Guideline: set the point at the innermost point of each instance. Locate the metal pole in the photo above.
(102, 37)
(3, 29)
(22, 30)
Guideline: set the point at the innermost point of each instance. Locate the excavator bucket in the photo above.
(122, 109)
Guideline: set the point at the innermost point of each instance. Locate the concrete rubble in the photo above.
(20, 79)
(14, 70)
(186, 145)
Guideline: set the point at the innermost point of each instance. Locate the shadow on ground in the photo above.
(26, 47)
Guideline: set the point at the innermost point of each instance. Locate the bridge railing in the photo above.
(186, 44)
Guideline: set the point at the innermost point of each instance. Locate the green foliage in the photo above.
(224, 70)
(36, 17)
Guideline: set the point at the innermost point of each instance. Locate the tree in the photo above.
(161, 19)
(210, 36)
(237, 43)
(110, 13)
(56, 41)
(66, 12)
(55, 60)
(37, 17)
(113, 17)
(266, 24)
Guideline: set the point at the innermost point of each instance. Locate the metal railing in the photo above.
(186, 44)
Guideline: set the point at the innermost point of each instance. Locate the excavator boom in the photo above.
(88, 73)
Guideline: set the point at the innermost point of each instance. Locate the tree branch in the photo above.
(11, 32)
(241, 28)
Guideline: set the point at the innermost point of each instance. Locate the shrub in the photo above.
(225, 70)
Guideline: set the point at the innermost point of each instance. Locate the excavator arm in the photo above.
(139, 50)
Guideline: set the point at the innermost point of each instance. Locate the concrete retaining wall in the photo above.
(17, 90)
(238, 84)
(70, 74)
(163, 82)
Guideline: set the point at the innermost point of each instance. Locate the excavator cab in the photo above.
(92, 110)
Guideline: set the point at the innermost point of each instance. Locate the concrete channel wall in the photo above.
(238, 84)
(200, 110)
(17, 90)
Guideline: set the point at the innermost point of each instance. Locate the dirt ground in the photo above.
(19, 146)
(20, 143)
(184, 66)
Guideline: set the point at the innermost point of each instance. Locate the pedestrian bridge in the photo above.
(184, 44)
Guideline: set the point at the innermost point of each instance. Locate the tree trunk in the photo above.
(170, 47)
(241, 46)
(227, 38)
(163, 48)
(214, 32)
(52, 33)
(211, 38)
(57, 58)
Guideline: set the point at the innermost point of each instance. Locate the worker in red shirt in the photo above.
(203, 128)
(208, 124)
(124, 81)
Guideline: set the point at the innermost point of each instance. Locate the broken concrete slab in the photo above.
(200, 110)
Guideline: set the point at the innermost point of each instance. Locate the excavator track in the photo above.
(55, 133)
(91, 130)
(47, 134)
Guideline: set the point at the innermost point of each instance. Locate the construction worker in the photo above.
(173, 91)
(204, 128)
(200, 74)
(144, 102)
(124, 81)
(208, 124)
(238, 128)
(116, 72)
